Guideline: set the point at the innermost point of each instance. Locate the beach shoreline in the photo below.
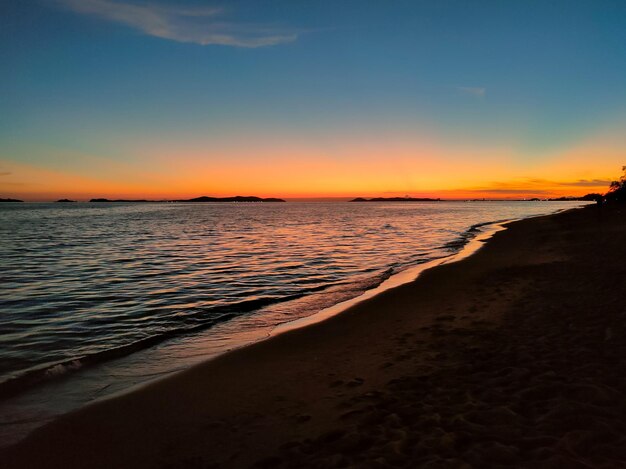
(45, 401)
(397, 279)
(22, 415)
(327, 394)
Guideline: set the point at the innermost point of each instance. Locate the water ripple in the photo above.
(86, 282)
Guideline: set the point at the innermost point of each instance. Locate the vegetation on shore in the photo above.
(617, 189)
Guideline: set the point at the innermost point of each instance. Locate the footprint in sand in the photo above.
(355, 382)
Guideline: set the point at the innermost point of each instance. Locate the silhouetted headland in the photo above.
(11, 200)
(396, 199)
(65, 201)
(587, 197)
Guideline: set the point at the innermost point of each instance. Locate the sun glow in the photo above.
(325, 168)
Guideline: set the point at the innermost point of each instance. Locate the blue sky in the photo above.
(112, 78)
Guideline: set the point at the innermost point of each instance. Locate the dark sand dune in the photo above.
(514, 357)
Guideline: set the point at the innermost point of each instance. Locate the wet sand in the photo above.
(513, 357)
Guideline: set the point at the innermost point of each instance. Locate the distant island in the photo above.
(64, 201)
(124, 200)
(11, 200)
(584, 198)
(395, 199)
(237, 198)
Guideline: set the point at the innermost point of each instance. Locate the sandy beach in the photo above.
(513, 357)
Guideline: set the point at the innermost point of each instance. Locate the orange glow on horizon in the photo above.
(338, 169)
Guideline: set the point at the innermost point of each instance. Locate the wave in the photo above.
(202, 320)
(465, 237)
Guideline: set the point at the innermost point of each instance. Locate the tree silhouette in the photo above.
(617, 189)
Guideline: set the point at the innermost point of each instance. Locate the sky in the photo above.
(323, 98)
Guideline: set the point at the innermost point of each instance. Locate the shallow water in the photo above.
(84, 283)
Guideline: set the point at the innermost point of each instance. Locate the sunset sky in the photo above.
(453, 99)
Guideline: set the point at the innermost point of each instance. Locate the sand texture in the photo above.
(513, 357)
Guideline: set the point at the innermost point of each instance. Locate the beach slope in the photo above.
(511, 357)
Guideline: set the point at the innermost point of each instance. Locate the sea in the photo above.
(99, 298)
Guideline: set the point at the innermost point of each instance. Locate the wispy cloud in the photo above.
(472, 91)
(577, 183)
(202, 26)
(535, 186)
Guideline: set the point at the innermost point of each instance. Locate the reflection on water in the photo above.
(84, 283)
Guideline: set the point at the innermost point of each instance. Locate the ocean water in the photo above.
(83, 285)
